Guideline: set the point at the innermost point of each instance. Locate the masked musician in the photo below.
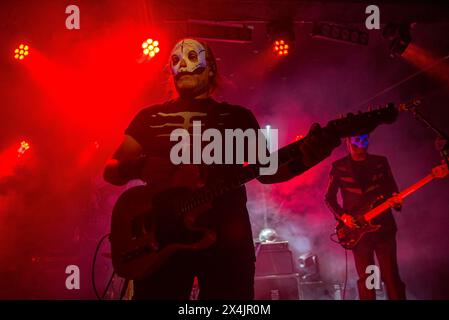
(363, 179)
(226, 269)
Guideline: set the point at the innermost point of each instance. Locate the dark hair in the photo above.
(212, 62)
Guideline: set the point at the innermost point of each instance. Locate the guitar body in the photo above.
(147, 229)
(350, 237)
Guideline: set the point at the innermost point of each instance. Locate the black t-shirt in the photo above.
(152, 127)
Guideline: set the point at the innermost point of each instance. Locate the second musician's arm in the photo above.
(331, 196)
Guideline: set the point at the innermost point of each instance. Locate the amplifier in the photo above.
(319, 290)
(273, 258)
(279, 287)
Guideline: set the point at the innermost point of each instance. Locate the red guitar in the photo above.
(350, 237)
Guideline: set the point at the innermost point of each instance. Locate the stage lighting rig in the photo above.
(281, 34)
(339, 33)
(399, 37)
(212, 30)
(308, 267)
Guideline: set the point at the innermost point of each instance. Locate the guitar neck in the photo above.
(352, 124)
(244, 175)
(402, 195)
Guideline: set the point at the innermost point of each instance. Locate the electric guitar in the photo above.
(151, 223)
(350, 237)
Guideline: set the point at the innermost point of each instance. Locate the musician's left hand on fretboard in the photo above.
(396, 202)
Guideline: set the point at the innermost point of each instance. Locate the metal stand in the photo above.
(442, 140)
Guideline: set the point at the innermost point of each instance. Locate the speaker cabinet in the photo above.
(273, 258)
(318, 290)
(277, 287)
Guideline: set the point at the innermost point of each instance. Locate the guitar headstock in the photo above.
(440, 171)
(363, 122)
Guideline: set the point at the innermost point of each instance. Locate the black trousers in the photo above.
(383, 244)
(221, 276)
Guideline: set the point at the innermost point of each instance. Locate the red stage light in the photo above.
(24, 146)
(150, 47)
(426, 61)
(280, 47)
(12, 157)
(21, 52)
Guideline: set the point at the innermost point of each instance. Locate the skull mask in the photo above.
(360, 141)
(192, 52)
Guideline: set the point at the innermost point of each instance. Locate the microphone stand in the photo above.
(442, 141)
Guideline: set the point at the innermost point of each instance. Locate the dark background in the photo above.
(76, 92)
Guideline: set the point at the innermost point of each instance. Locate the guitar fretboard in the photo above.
(402, 195)
(246, 174)
(352, 124)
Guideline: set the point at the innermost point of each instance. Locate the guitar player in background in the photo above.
(226, 269)
(363, 179)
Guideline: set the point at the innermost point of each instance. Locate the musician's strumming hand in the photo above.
(440, 171)
(318, 145)
(348, 220)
